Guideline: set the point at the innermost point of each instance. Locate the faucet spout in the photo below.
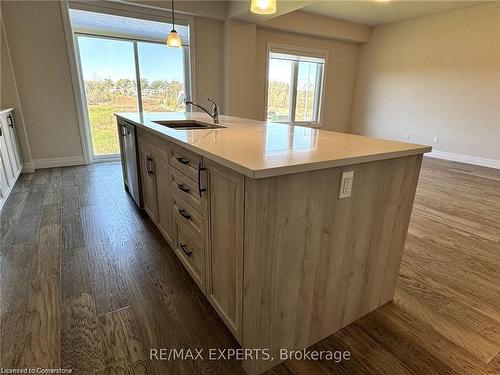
(214, 113)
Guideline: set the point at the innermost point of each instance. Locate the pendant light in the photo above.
(263, 6)
(173, 39)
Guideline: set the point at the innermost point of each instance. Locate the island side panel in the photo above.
(313, 263)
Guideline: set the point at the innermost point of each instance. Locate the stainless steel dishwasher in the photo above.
(128, 153)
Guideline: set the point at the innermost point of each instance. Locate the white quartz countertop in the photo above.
(5, 110)
(258, 149)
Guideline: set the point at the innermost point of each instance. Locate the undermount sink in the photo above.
(188, 125)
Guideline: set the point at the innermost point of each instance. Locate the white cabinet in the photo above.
(10, 157)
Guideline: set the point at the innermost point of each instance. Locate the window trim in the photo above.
(300, 51)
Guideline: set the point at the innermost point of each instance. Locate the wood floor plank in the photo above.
(110, 284)
(423, 334)
(121, 290)
(15, 276)
(81, 342)
(41, 332)
(13, 206)
(124, 351)
(24, 229)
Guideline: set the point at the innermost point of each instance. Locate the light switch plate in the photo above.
(346, 184)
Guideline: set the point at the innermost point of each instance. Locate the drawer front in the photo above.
(185, 161)
(159, 146)
(188, 190)
(187, 216)
(190, 251)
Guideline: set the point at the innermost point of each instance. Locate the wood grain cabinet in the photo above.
(148, 179)
(225, 251)
(198, 206)
(155, 172)
(165, 221)
(283, 261)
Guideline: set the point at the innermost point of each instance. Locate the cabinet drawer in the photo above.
(190, 251)
(187, 216)
(185, 161)
(188, 190)
(159, 146)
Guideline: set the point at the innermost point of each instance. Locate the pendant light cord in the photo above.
(173, 13)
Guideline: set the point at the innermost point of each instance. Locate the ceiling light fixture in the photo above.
(263, 6)
(173, 39)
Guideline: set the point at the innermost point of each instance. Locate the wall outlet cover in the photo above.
(346, 182)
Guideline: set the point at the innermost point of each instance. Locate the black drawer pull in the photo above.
(10, 121)
(149, 165)
(183, 188)
(200, 168)
(185, 249)
(184, 213)
(182, 160)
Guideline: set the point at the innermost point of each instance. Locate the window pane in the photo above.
(278, 93)
(307, 91)
(162, 77)
(108, 71)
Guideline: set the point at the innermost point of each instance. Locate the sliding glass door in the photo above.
(125, 66)
(109, 77)
(162, 77)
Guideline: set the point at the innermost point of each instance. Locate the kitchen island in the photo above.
(291, 232)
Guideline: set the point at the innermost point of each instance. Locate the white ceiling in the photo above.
(378, 12)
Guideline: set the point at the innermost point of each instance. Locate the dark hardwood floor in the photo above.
(88, 283)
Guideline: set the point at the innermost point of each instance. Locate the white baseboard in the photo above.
(28, 167)
(476, 160)
(58, 162)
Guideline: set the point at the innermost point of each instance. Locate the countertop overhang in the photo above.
(260, 149)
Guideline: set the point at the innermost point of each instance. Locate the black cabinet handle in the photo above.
(182, 160)
(183, 188)
(185, 249)
(10, 121)
(149, 165)
(184, 213)
(200, 168)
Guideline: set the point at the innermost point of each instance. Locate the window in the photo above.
(295, 87)
(125, 66)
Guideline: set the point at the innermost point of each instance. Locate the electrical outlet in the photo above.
(346, 184)
(436, 139)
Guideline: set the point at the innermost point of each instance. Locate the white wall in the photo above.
(38, 50)
(9, 97)
(209, 60)
(239, 70)
(434, 76)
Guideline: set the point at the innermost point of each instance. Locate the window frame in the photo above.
(298, 51)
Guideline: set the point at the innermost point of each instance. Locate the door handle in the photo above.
(124, 131)
(181, 160)
(185, 249)
(184, 213)
(183, 188)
